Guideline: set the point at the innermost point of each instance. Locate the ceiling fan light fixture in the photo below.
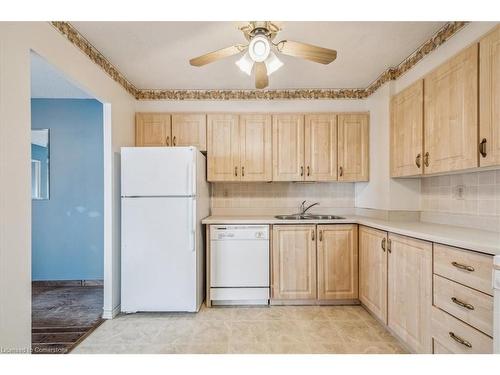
(272, 63)
(245, 63)
(259, 48)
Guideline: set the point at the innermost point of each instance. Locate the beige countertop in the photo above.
(471, 239)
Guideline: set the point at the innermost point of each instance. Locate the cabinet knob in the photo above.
(460, 340)
(462, 266)
(168, 140)
(242, 171)
(312, 235)
(417, 160)
(382, 245)
(301, 170)
(426, 159)
(308, 171)
(463, 304)
(174, 141)
(236, 171)
(321, 235)
(341, 171)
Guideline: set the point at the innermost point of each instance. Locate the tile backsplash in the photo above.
(473, 197)
(280, 197)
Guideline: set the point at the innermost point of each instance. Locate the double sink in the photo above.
(308, 217)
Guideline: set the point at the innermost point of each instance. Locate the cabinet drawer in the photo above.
(465, 267)
(469, 305)
(452, 335)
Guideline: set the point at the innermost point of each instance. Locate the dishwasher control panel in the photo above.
(239, 232)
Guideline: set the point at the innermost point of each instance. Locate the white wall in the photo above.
(16, 41)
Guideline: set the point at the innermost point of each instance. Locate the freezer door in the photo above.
(158, 255)
(158, 171)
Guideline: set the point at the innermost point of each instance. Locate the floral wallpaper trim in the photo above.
(392, 73)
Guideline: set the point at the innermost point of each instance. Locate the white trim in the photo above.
(110, 314)
(108, 211)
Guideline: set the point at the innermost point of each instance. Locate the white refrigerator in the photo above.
(164, 196)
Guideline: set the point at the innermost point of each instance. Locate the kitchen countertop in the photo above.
(471, 239)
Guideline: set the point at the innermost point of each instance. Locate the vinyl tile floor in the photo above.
(245, 330)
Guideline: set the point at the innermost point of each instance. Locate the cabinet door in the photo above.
(337, 262)
(223, 148)
(407, 131)
(255, 155)
(489, 84)
(189, 130)
(450, 114)
(410, 291)
(294, 262)
(288, 147)
(353, 147)
(152, 129)
(373, 271)
(320, 147)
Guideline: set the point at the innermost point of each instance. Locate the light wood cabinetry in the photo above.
(451, 113)
(223, 147)
(294, 262)
(255, 147)
(373, 271)
(407, 130)
(353, 147)
(288, 147)
(320, 158)
(152, 129)
(189, 129)
(409, 291)
(337, 262)
(489, 95)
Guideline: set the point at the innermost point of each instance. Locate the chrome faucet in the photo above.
(304, 209)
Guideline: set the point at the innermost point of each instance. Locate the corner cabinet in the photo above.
(489, 94)
(353, 147)
(294, 262)
(239, 147)
(407, 130)
(451, 114)
(373, 271)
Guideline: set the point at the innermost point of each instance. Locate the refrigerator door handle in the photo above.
(192, 175)
(192, 224)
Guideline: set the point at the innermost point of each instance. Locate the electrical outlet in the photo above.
(458, 192)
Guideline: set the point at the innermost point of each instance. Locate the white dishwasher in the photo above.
(239, 264)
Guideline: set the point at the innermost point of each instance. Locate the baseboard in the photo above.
(110, 314)
(47, 283)
(306, 302)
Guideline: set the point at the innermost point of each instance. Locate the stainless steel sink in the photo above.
(309, 217)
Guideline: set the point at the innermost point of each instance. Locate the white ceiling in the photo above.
(48, 82)
(156, 54)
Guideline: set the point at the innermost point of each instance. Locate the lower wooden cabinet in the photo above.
(409, 291)
(294, 262)
(317, 263)
(373, 271)
(337, 262)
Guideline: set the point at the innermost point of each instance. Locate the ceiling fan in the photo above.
(260, 56)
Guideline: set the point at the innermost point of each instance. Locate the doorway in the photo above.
(67, 210)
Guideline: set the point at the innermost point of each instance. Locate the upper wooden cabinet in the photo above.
(320, 157)
(223, 147)
(407, 130)
(288, 147)
(189, 130)
(489, 94)
(409, 291)
(294, 262)
(239, 147)
(337, 262)
(152, 129)
(373, 271)
(164, 129)
(451, 113)
(353, 147)
(255, 147)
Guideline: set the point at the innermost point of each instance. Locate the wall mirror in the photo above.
(40, 169)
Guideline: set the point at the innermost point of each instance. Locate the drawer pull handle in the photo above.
(463, 266)
(460, 340)
(462, 304)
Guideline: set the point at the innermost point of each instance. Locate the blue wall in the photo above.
(67, 229)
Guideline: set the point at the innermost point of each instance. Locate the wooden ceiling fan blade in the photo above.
(307, 51)
(261, 78)
(217, 55)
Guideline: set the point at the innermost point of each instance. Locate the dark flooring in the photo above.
(62, 316)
